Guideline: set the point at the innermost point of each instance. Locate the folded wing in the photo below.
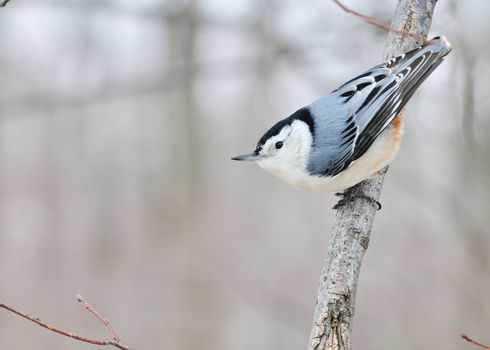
(359, 110)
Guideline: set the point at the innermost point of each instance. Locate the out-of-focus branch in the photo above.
(332, 324)
(469, 99)
(116, 341)
(380, 24)
(3, 2)
(474, 342)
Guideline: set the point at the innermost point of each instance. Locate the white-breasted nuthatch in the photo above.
(350, 134)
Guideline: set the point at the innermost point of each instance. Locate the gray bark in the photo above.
(332, 324)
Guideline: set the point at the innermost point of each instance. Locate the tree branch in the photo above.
(474, 342)
(104, 321)
(380, 24)
(3, 2)
(332, 324)
(115, 342)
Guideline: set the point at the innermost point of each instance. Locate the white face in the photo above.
(286, 154)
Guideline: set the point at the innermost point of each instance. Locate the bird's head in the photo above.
(284, 149)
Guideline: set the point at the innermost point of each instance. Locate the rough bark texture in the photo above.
(332, 324)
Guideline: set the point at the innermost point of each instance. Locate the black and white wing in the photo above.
(359, 110)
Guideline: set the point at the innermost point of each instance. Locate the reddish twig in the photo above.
(105, 322)
(380, 24)
(115, 342)
(474, 342)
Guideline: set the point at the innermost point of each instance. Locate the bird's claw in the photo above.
(348, 197)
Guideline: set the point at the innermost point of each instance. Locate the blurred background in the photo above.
(117, 122)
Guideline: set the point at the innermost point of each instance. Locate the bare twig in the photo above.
(104, 321)
(380, 24)
(474, 342)
(3, 3)
(115, 342)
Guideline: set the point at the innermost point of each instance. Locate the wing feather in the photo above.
(365, 105)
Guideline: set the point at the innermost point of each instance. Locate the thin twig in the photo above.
(116, 342)
(474, 342)
(380, 24)
(3, 3)
(104, 321)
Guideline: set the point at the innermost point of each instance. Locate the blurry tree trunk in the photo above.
(332, 324)
(469, 101)
(183, 27)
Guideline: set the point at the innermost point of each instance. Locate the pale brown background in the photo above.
(117, 121)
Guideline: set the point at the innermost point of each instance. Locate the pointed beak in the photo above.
(251, 156)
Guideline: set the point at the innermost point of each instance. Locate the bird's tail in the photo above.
(439, 44)
(435, 48)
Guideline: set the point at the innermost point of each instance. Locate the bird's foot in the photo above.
(348, 196)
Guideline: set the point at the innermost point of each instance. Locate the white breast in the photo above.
(380, 154)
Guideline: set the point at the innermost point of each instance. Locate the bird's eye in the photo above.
(279, 144)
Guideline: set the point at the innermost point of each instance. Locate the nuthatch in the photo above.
(350, 134)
